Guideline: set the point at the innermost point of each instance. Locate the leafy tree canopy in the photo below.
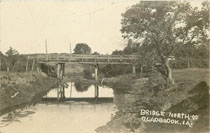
(95, 53)
(11, 52)
(82, 48)
(159, 26)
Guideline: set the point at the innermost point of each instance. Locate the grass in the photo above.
(26, 85)
(190, 87)
(193, 75)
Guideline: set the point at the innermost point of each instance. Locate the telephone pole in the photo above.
(70, 56)
(70, 47)
(0, 38)
(46, 49)
(0, 55)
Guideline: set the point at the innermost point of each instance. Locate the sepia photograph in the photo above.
(104, 66)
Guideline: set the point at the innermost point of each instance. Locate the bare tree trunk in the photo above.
(169, 72)
(166, 72)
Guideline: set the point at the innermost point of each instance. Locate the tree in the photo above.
(12, 57)
(82, 48)
(117, 52)
(2, 61)
(161, 25)
(131, 48)
(95, 53)
(11, 52)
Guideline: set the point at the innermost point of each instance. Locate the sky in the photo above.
(25, 25)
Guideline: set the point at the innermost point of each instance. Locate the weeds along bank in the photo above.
(19, 89)
(185, 108)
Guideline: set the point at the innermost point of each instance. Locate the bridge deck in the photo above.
(86, 59)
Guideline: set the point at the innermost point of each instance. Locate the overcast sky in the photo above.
(25, 24)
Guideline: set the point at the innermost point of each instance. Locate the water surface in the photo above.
(68, 116)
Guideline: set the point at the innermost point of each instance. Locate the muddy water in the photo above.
(67, 116)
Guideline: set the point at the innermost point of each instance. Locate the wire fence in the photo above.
(180, 63)
(19, 65)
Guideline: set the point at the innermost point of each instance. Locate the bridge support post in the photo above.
(96, 91)
(60, 74)
(96, 73)
(58, 70)
(62, 92)
(133, 69)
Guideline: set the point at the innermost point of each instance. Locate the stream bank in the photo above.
(20, 89)
(189, 96)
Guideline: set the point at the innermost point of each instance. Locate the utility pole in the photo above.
(0, 38)
(70, 56)
(46, 50)
(0, 55)
(70, 47)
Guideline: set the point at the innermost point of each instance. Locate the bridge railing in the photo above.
(84, 58)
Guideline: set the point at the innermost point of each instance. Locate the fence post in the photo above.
(7, 69)
(32, 68)
(188, 63)
(141, 71)
(38, 71)
(133, 69)
(27, 66)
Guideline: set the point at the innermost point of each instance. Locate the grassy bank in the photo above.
(19, 89)
(189, 95)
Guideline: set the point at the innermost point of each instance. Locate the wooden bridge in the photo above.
(61, 59)
(96, 60)
(85, 59)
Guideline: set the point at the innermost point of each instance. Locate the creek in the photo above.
(81, 110)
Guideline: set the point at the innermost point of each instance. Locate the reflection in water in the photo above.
(15, 116)
(74, 91)
(81, 87)
(69, 116)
